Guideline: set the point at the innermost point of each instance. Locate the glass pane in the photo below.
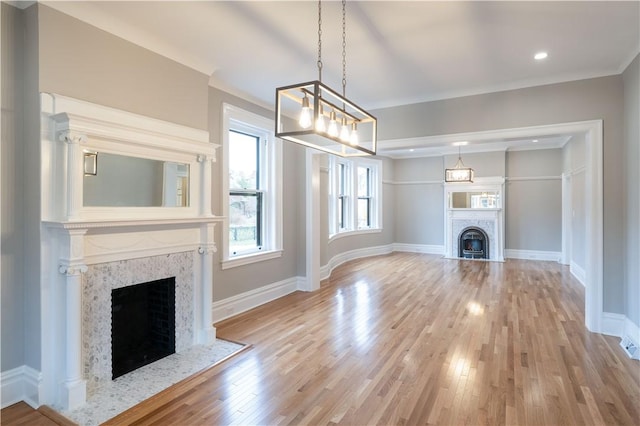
(474, 200)
(363, 213)
(363, 182)
(243, 161)
(244, 216)
(340, 212)
(341, 175)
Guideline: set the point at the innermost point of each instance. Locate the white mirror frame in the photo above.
(70, 127)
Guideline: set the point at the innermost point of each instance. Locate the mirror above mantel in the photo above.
(109, 164)
(125, 181)
(485, 193)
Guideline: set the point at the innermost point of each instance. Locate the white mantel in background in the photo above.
(76, 237)
(490, 220)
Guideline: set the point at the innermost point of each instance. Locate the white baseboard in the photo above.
(337, 260)
(578, 272)
(532, 255)
(243, 302)
(632, 331)
(21, 384)
(418, 248)
(620, 326)
(612, 324)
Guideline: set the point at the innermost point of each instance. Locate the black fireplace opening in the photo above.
(143, 323)
(473, 243)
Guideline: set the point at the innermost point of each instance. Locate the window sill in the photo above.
(355, 232)
(250, 258)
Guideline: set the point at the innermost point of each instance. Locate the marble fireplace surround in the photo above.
(88, 251)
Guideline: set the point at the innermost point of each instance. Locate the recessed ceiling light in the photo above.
(540, 55)
(462, 143)
(411, 150)
(535, 140)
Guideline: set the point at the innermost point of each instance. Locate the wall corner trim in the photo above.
(21, 384)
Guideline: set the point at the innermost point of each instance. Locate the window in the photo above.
(245, 193)
(364, 197)
(342, 196)
(355, 196)
(252, 183)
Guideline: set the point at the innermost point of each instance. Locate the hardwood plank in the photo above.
(414, 339)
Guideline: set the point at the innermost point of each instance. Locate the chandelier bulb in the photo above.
(321, 122)
(344, 130)
(333, 124)
(305, 113)
(353, 139)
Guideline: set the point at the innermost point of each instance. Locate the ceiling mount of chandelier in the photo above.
(324, 119)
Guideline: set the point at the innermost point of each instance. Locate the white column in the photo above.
(72, 267)
(75, 172)
(206, 332)
(313, 221)
(205, 184)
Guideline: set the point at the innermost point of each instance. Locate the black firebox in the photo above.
(143, 323)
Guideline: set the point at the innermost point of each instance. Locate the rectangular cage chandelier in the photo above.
(460, 172)
(327, 121)
(313, 115)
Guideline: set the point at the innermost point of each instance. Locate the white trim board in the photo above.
(21, 384)
(339, 259)
(577, 271)
(532, 255)
(419, 248)
(243, 302)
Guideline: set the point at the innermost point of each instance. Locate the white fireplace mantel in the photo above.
(490, 220)
(77, 238)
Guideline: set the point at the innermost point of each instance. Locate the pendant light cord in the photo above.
(344, 48)
(320, 41)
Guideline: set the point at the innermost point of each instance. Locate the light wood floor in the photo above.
(414, 339)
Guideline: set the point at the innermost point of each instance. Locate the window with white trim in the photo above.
(355, 197)
(252, 184)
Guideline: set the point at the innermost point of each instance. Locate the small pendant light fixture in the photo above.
(317, 109)
(459, 173)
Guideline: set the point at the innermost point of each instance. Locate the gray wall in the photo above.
(419, 205)
(631, 78)
(592, 99)
(231, 282)
(533, 200)
(12, 157)
(533, 209)
(84, 62)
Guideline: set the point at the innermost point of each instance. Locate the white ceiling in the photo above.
(398, 52)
